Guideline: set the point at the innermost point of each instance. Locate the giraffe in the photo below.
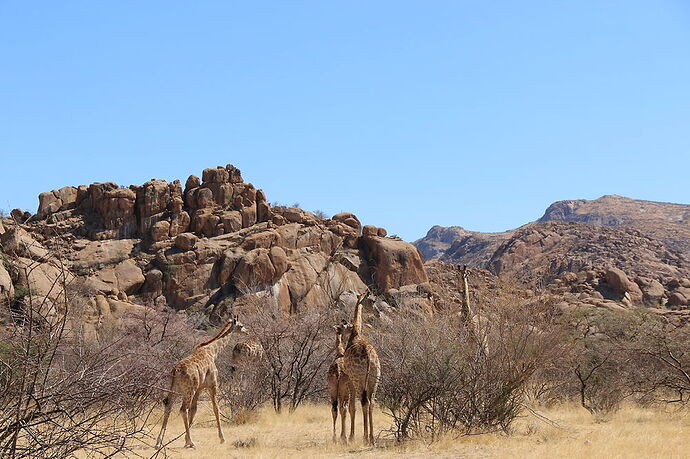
(247, 352)
(338, 382)
(196, 372)
(363, 369)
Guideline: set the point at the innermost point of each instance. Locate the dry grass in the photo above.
(632, 432)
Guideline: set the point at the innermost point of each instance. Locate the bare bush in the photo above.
(244, 389)
(616, 356)
(63, 392)
(440, 376)
(297, 352)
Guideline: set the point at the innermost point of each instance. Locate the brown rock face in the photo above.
(179, 223)
(123, 277)
(396, 263)
(255, 268)
(215, 245)
(152, 199)
(160, 231)
(186, 241)
(620, 283)
(53, 201)
(6, 287)
(18, 242)
(114, 205)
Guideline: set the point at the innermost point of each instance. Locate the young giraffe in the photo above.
(192, 374)
(338, 382)
(363, 369)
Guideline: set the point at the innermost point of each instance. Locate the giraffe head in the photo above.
(236, 326)
(343, 329)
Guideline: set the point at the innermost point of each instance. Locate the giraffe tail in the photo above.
(167, 399)
(365, 393)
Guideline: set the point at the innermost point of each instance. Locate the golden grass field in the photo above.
(632, 432)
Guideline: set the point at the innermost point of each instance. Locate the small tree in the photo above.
(297, 352)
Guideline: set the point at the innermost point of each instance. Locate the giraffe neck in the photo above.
(340, 349)
(357, 321)
(216, 346)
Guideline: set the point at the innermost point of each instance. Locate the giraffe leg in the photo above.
(343, 415)
(186, 400)
(192, 407)
(353, 411)
(371, 422)
(168, 403)
(334, 414)
(365, 416)
(214, 402)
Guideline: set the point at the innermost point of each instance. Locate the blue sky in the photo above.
(410, 114)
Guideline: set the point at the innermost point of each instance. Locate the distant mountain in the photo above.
(667, 222)
(586, 240)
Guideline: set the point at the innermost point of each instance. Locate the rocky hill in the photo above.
(205, 247)
(667, 222)
(612, 249)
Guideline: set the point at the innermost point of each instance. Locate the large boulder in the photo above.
(42, 279)
(255, 268)
(677, 299)
(652, 290)
(124, 277)
(96, 254)
(303, 275)
(6, 287)
(152, 198)
(114, 205)
(348, 219)
(619, 282)
(16, 241)
(160, 231)
(52, 201)
(395, 262)
(186, 241)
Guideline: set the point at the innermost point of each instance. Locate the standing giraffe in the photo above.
(338, 382)
(363, 369)
(196, 372)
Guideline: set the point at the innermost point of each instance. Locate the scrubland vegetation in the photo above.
(521, 378)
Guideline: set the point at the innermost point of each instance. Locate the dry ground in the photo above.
(631, 433)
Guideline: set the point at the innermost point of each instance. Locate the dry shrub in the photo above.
(63, 394)
(297, 350)
(243, 389)
(616, 356)
(441, 376)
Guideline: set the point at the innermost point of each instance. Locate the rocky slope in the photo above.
(667, 222)
(207, 247)
(610, 251)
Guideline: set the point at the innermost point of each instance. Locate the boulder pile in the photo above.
(210, 247)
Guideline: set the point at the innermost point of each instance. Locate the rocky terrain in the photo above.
(612, 252)
(215, 244)
(664, 221)
(205, 247)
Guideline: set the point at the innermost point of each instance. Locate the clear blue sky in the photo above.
(410, 114)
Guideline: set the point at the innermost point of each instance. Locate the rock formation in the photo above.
(612, 252)
(206, 246)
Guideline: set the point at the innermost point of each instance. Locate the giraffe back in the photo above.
(247, 352)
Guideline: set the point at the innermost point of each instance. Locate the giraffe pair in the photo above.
(354, 374)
